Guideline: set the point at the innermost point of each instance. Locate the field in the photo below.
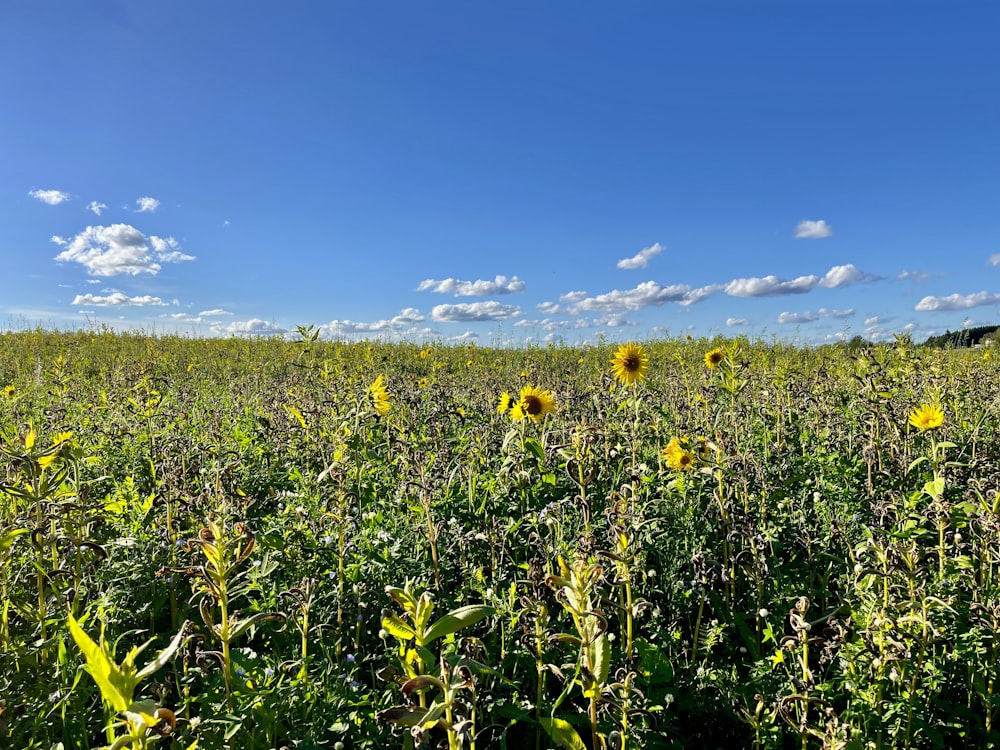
(336, 545)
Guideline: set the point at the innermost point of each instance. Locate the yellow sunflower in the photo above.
(714, 358)
(629, 364)
(677, 456)
(503, 406)
(379, 396)
(927, 417)
(9, 392)
(534, 404)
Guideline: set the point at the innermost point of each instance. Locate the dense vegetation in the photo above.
(963, 338)
(753, 546)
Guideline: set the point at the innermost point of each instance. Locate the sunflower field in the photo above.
(292, 543)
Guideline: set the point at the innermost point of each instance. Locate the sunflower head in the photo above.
(629, 363)
(677, 455)
(927, 417)
(379, 397)
(9, 391)
(714, 358)
(533, 404)
(504, 404)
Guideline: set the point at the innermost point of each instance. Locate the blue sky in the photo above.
(502, 172)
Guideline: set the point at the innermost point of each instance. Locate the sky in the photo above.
(507, 173)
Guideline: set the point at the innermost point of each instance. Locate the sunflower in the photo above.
(677, 456)
(534, 404)
(380, 397)
(503, 406)
(927, 417)
(9, 392)
(629, 364)
(714, 358)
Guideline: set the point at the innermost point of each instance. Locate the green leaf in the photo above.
(600, 653)
(8, 539)
(163, 657)
(245, 623)
(115, 685)
(935, 487)
(404, 717)
(394, 626)
(456, 620)
(535, 448)
(562, 733)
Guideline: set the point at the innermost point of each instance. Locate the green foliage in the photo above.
(800, 569)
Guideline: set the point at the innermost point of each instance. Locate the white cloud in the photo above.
(464, 337)
(119, 248)
(917, 276)
(213, 313)
(957, 302)
(846, 275)
(571, 297)
(479, 288)
(146, 205)
(641, 259)
(116, 299)
(96, 207)
(52, 197)
(646, 294)
(549, 308)
(873, 320)
(697, 295)
(770, 286)
(812, 230)
(546, 324)
(407, 317)
(808, 317)
(474, 311)
(252, 327)
(737, 322)
(790, 317)
(993, 260)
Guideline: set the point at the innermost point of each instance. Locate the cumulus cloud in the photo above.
(216, 312)
(993, 260)
(803, 317)
(808, 317)
(406, 317)
(52, 197)
(957, 302)
(474, 311)
(571, 297)
(146, 205)
(252, 327)
(119, 249)
(646, 294)
(737, 322)
(479, 288)
(770, 286)
(641, 258)
(549, 308)
(116, 299)
(812, 230)
(917, 276)
(545, 324)
(96, 207)
(846, 275)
